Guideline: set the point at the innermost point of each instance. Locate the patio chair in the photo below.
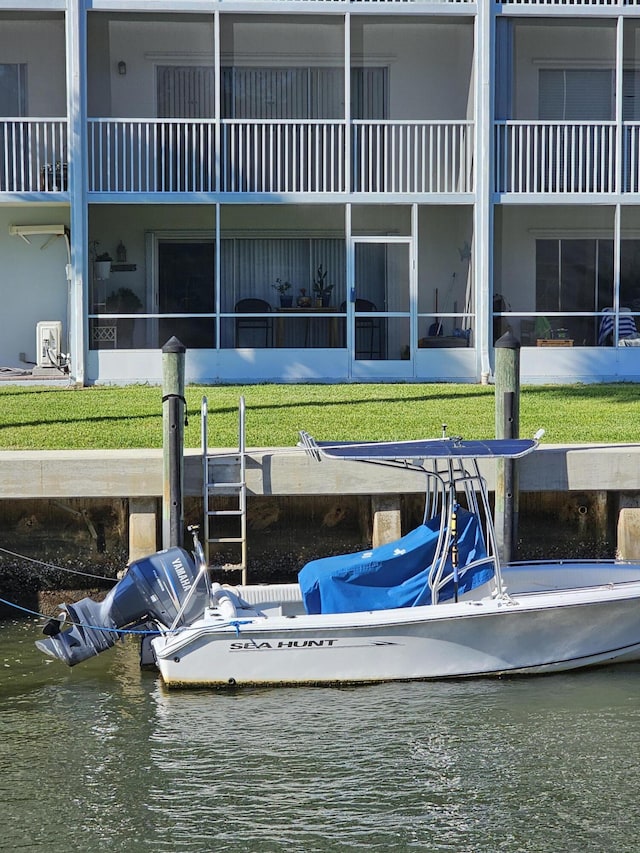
(368, 330)
(257, 331)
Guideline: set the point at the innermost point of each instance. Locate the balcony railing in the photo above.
(631, 170)
(567, 3)
(555, 157)
(283, 156)
(295, 156)
(413, 157)
(151, 156)
(33, 155)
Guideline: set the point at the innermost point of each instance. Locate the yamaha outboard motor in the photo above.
(153, 590)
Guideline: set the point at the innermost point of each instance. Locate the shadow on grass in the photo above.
(363, 396)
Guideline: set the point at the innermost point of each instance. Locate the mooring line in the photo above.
(56, 568)
(78, 624)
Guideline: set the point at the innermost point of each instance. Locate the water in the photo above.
(103, 758)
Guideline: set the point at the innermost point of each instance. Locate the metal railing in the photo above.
(260, 156)
(555, 157)
(33, 155)
(311, 156)
(413, 157)
(279, 156)
(567, 3)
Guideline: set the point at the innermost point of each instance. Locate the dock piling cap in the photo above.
(507, 341)
(174, 345)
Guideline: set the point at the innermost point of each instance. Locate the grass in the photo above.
(41, 418)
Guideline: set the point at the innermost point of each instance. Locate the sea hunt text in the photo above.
(250, 645)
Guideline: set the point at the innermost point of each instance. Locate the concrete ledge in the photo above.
(286, 471)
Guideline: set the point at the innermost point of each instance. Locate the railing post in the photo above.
(173, 420)
(507, 422)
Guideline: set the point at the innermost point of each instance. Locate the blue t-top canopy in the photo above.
(437, 448)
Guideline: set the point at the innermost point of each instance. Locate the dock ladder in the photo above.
(224, 474)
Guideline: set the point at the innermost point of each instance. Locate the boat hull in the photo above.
(526, 634)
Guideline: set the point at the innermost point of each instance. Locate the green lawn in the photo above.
(129, 417)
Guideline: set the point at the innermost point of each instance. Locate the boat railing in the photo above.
(443, 580)
(465, 488)
(310, 446)
(203, 574)
(453, 479)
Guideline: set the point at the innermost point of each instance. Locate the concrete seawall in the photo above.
(590, 476)
(29, 474)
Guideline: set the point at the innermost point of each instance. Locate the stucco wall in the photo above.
(33, 281)
(41, 45)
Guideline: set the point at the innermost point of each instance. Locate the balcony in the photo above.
(33, 155)
(282, 156)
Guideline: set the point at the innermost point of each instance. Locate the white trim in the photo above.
(203, 58)
(562, 233)
(559, 64)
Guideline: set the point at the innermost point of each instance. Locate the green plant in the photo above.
(320, 286)
(93, 252)
(123, 301)
(281, 286)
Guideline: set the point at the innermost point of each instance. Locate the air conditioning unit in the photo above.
(48, 342)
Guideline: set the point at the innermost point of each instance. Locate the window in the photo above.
(584, 94)
(13, 90)
(576, 277)
(302, 93)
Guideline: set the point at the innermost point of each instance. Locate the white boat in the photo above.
(434, 604)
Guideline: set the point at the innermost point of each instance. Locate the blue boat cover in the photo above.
(395, 574)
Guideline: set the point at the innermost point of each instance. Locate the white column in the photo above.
(347, 149)
(76, 40)
(483, 226)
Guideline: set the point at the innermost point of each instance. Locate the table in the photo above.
(554, 342)
(307, 315)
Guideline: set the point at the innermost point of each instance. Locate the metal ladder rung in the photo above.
(225, 485)
(226, 540)
(238, 489)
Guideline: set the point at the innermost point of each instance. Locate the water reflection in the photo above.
(105, 754)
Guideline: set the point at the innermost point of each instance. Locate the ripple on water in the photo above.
(104, 753)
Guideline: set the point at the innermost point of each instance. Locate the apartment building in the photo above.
(320, 190)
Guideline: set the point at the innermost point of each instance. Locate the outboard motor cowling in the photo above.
(153, 590)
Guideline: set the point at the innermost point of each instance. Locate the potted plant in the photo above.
(283, 288)
(304, 301)
(102, 266)
(321, 289)
(124, 301)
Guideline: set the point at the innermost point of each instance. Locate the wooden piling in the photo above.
(173, 418)
(507, 424)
